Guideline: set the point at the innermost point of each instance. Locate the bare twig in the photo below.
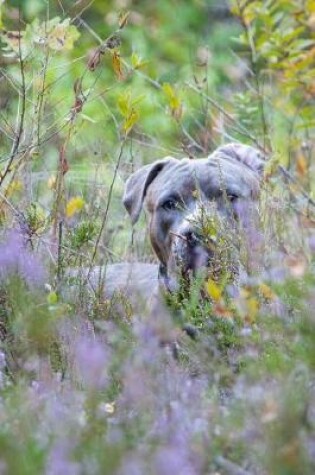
(15, 211)
(105, 217)
(191, 139)
(59, 259)
(240, 128)
(21, 118)
(292, 179)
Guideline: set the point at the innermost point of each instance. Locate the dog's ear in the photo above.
(249, 156)
(137, 185)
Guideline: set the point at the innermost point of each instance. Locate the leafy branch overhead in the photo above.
(54, 34)
(281, 36)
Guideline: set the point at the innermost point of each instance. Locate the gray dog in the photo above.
(182, 196)
(191, 207)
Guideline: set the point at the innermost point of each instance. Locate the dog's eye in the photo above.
(170, 204)
(232, 197)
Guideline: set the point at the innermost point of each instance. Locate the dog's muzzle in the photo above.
(200, 249)
(190, 252)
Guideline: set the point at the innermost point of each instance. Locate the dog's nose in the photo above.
(195, 253)
(191, 238)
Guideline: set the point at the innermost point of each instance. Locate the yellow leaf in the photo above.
(301, 165)
(266, 292)
(14, 187)
(131, 120)
(62, 36)
(249, 14)
(51, 182)
(123, 19)
(137, 62)
(213, 290)
(74, 206)
(169, 91)
(252, 308)
(117, 65)
(124, 101)
(310, 6)
(173, 100)
(245, 293)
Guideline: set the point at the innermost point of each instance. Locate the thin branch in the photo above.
(20, 126)
(10, 80)
(291, 178)
(84, 8)
(9, 126)
(109, 199)
(240, 128)
(191, 139)
(143, 143)
(6, 133)
(17, 213)
(59, 256)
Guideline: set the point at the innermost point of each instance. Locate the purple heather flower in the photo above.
(311, 243)
(233, 291)
(16, 258)
(132, 466)
(3, 467)
(276, 274)
(172, 459)
(92, 358)
(59, 461)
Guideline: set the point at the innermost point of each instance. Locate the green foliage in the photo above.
(280, 40)
(83, 234)
(88, 93)
(54, 35)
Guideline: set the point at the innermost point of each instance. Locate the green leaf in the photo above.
(1, 3)
(62, 36)
(131, 121)
(52, 298)
(124, 103)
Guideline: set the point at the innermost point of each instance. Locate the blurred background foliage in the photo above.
(80, 105)
(104, 87)
(90, 90)
(167, 45)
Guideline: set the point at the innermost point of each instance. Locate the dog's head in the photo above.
(193, 207)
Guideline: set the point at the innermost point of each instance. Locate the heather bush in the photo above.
(218, 384)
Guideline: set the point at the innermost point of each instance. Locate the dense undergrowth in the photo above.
(89, 92)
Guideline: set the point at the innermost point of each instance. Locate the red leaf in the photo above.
(94, 59)
(64, 165)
